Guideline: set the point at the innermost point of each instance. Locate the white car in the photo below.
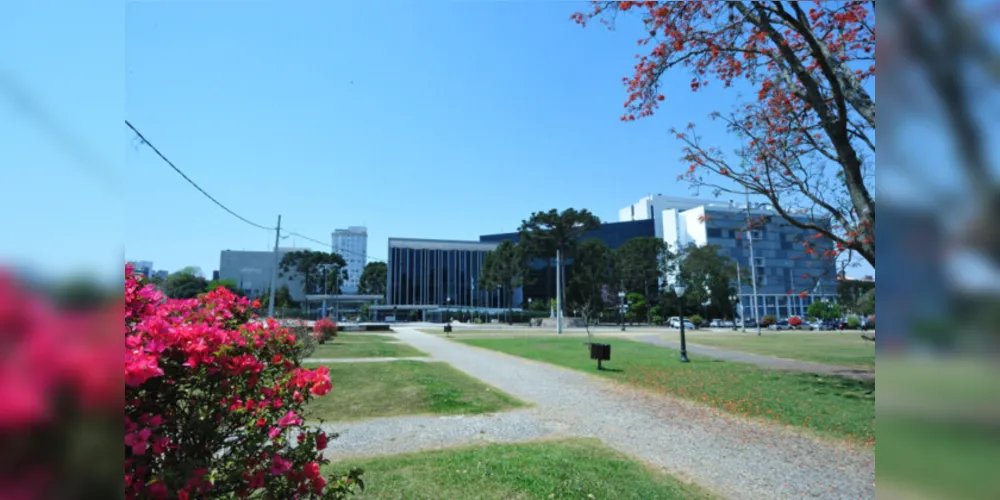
(675, 323)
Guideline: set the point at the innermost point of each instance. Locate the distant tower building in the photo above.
(352, 245)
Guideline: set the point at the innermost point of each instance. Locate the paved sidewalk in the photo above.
(757, 359)
(735, 457)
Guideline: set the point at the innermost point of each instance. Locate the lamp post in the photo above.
(621, 308)
(679, 290)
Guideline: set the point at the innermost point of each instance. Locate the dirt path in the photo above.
(737, 458)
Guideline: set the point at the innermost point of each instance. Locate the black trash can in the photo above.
(447, 328)
(600, 352)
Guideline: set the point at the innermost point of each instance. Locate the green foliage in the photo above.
(373, 279)
(697, 320)
(850, 291)
(853, 322)
(184, 284)
(228, 284)
(591, 270)
(826, 311)
(542, 234)
(504, 268)
(282, 298)
(866, 303)
(639, 264)
(636, 306)
(709, 277)
(321, 272)
(768, 320)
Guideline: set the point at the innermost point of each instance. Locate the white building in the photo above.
(783, 269)
(352, 245)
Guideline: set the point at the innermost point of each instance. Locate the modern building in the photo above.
(252, 271)
(541, 277)
(143, 267)
(428, 275)
(352, 245)
(783, 268)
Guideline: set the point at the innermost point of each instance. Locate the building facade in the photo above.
(788, 277)
(143, 267)
(433, 274)
(252, 271)
(352, 245)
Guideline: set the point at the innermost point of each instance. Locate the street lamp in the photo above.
(679, 290)
(621, 308)
(448, 310)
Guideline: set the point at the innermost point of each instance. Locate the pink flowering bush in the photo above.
(214, 400)
(324, 330)
(60, 396)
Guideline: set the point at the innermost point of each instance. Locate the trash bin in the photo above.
(600, 352)
(447, 328)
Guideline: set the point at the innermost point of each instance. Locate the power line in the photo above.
(193, 183)
(365, 255)
(227, 209)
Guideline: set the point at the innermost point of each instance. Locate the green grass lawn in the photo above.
(393, 388)
(830, 406)
(942, 460)
(358, 348)
(365, 337)
(567, 469)
(842, 349)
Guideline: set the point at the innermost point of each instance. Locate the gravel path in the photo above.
(757, 359)
(416, 433)
(737, 458)
(362, 360)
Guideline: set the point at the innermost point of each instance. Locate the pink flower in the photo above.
(290, 418)
(280, 465)
(274, 432)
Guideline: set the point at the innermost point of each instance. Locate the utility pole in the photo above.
(559, 316)
(274, 270)
(753, 263)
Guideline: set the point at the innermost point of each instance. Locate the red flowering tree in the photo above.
(808, 131)
(214, 401)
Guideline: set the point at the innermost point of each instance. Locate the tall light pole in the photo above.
(621, 307)
(274, 270)
(753, 263)
(559, 316)
(679, 290)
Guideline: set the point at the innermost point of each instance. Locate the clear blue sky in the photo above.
(431, 120)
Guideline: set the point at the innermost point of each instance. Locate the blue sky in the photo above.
(433, 120)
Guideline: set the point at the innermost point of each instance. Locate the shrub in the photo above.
(324, 330)
(768, 320)
(696, 320)
(853, 322)
(657, 320)
(213, 402)
(794, 321)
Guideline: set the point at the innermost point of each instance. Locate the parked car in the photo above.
(715, 323)
(823, 325)
(780, 325)
(676, 323)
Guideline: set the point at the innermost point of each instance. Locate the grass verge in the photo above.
(393, 388)
(566, 469)
(349, 348)
(840, 349)
(830, 406)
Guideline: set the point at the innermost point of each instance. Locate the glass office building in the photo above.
(430, 274)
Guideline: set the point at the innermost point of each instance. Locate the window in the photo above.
(755, 234)
(713, 232)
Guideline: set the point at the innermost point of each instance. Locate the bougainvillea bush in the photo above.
(212, 398)
(324, 330)
(794, 321)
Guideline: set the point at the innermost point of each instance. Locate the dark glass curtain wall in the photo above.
(430, 277)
